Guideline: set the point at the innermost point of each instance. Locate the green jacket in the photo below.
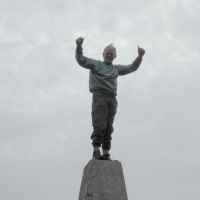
(102, 75)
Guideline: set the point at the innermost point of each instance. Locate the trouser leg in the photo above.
(112, 109)
(99, 119)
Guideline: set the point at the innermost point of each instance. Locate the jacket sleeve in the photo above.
(126, 69)
(83, 61)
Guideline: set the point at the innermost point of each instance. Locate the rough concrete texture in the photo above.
(103, 180)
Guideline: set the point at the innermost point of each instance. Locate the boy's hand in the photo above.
(79, 41)
(141, 51)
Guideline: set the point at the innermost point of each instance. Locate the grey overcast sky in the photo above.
(45, 104)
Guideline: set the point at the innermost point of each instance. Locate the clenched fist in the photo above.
(79, 41)
(141, 51)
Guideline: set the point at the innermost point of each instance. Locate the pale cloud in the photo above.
(46, 106)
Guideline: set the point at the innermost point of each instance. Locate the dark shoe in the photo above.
(105, 157)
(96, 154)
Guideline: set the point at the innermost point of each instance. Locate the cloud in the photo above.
(45, 105)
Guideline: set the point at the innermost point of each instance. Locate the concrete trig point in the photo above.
(103, 180)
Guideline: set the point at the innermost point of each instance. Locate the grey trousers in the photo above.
(104, 107)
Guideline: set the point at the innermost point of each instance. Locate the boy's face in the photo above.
(109, 55)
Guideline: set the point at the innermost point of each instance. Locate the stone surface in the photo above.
(103, 180)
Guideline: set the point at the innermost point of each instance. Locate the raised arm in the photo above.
(126, 69)
(80, 58)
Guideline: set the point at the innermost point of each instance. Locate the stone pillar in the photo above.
(103, 180)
